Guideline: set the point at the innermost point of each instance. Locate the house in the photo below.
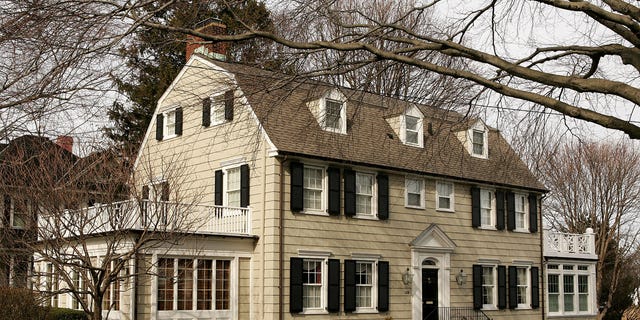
(296, 199)
(26, 164)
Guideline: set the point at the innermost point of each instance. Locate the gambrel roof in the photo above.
(280, 103)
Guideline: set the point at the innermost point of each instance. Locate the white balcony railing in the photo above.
(146, 215)
(570, 245)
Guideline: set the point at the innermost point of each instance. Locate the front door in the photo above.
(429, 294)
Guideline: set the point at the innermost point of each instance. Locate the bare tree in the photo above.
(598, 186)
(566, 76)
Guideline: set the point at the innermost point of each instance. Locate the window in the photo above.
(233, 187)
(312, 284)
(488, 287)
(79, 287)
(333, 115)
(568, 289)
(112, 294)
(414, 193)
(217, 109)
(411, 130)
(522, 283)
(190, 284)
(478, 142)
(313, 185)
(364, 194)
(487, 208)
(521, 207)
(364, 285)
(169, 124)
(51, 285)
(444, 196)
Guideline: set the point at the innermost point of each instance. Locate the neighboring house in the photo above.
(297, 199)
(570, 271)
(26, 163)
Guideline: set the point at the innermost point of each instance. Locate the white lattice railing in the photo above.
(569, 245)
(147, 215)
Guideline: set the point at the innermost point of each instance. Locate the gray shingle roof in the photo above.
(279, 101)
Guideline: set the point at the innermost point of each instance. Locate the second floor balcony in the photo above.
(148, 216)
(570, 245)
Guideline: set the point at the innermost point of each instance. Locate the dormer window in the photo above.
(478, 142)
(333, 115)
(411, 130)
(330, 111)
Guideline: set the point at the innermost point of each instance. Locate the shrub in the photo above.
(66, 314)
(20, 304)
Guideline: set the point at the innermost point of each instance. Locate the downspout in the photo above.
(542, 264)
(281, 244)
(134, 289)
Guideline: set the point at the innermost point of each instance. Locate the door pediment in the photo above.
(433, 239)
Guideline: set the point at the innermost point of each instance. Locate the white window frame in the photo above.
(169, 127)
(494, 289)
(225, 183)
(450, 196)
(492, 211)
(324, 284)
(480, 128)
(526, 285)
(374, 202)
(560, 272)
(414, 113)
(421, 183)
(374, 287)
(342, 121)
(217, 115)
(323, 190)
(524, 214)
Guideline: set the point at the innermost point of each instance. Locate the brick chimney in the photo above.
(214, 50)
(65, 142)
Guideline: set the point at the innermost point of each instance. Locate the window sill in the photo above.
(314, 311)
(315, 213)
(415, 145)
(445, 210)
(521, 230)
(413, 207)
(489, 308)
(365, 311)
(169, 137)
(366, 217)
(481, 156)
(488, 228)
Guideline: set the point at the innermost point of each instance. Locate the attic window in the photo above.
(411, 132)
(334, 116)
(478, 137)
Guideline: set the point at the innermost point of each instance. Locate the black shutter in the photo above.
(178, 121)
(228, 105)
(334, 191)
(333, 298)
(502, 287)
(206, 112)
(217, 194)
(533, 213)
(295, 285)
(244, 185)
(383, 286)
(164, 193)
(477, 286)
(349, 193)
(349, 285)
(159, 126)
(513, 287)
(383, 196)
(475, 207)
(511, 211)
(297, 176)
(535, 288)
(500, 210)
(145, 192)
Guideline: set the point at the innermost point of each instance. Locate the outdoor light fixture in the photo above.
(407, 279)
(461, 278)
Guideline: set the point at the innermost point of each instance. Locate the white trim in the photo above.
(452, 204)
(480, 127)
(374, 196)
(493, 210)
(414, 112)
(324, 189)
(525, 202)
(314, 253)
(422, 192)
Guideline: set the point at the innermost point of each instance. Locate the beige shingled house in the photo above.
(322, 202)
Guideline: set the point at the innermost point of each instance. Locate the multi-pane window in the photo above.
(312, 284)
(486, 208)
(412, 129)
(522, 283)
(521, 211)
(568, 288)
(233, 187)
(364, 284)
(444, 195)
(313, 184)
(112, 294)
(188, 284)
(170, 123)
(333, 114)
(414, 192)
(80, 287)
(478, 142)
(488, 287)
(217, 109)
(364, 193)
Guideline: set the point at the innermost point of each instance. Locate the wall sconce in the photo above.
(407, 279)
(461, 278)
